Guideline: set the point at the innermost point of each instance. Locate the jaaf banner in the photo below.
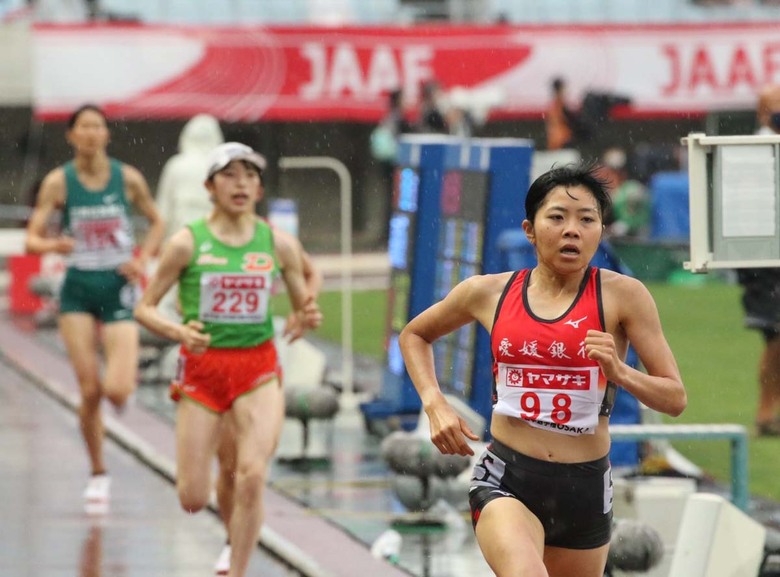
(343, 74)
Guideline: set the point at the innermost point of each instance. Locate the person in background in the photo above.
(228, 375)
(540, 494)
(384, 149)
(768, 107)
(631, 210)
(460, 121)
(395, 118)
(181, 194)
(95, 193)
(558, 118)
(431, 118)
(761, 299)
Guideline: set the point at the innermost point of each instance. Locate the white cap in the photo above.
(226, 153)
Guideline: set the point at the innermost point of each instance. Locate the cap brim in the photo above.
(256, 159)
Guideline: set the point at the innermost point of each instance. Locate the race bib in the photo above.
(561, 399)
(102, 242)
(235, 298)
(101, 233)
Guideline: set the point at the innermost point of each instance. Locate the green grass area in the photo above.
(718, 360)
(369, 321)
(369, 318)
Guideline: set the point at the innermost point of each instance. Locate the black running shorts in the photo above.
(573, 501)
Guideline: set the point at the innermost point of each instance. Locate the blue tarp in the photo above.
(671, 211)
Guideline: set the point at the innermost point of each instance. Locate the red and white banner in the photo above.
(315, 74)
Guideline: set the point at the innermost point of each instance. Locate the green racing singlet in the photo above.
(228, 288)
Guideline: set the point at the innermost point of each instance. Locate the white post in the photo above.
(698, 201)
(345, 180)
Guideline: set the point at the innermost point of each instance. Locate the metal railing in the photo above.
(735, 434)
(345, 197)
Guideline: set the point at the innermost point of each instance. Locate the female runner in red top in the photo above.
(541, 493)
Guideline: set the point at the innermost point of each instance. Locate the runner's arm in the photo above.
(174, 259)
(140, 195)
(51, 197)
(302, 281)
(468, 301)
(661, 387)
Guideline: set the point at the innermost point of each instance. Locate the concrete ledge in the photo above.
(366, 270)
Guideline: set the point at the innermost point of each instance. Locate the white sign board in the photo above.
(734, 201)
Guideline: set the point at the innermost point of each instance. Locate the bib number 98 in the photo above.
(531, 407)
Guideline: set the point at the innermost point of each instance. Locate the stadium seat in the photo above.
(716, 539)
(308, 401)
(658, 502)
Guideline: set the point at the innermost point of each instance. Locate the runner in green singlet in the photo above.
(94, 193)
(228, 368)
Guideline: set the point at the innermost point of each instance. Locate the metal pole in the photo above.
(345, 180)
(740, 486)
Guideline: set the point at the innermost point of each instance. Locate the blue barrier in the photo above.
(671, 211)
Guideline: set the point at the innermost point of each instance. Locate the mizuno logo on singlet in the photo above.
(575, 324)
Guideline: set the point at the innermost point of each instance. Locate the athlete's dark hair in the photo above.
(582, 174)
(84, 108)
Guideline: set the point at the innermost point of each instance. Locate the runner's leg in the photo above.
(511, 539)
(226, 484)
(582, 562)
(258, 418)
(196, 445)
(79, 333)
(226, 479)
(120, 346)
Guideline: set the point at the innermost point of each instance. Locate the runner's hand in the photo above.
(63, 245)
(193, 339)
(600, 347)
(298, 322)
(133, 270)
(449, 431)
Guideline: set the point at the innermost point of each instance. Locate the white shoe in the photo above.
(222, 566)
(98, 489)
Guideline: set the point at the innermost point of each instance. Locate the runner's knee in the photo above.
(191, 498)
(90, 398)
(118, 397)
(250, 479)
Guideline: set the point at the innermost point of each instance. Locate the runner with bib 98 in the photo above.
(541, 493)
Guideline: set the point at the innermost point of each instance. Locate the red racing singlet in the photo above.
(541, 373)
